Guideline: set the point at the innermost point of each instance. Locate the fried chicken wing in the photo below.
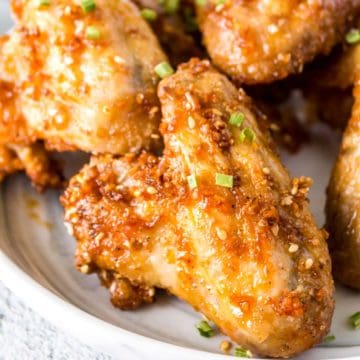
(265, 40)
(343, 203)
(43, 171)
(82, 79)
(216, 221)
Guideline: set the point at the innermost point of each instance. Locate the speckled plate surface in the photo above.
(36, 262)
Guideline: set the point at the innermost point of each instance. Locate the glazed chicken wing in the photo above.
(43, 171)
(83, 78)
(343, 205)
(265, 40)
(18, 151)
(217, 221)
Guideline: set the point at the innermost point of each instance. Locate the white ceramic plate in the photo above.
(36, 262)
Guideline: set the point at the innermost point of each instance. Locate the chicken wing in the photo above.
(265, 40)
(18, 150)
(343, 204)
(84, 78)
(217, 221)
(43, 171)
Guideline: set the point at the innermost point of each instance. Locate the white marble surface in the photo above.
(24, 335)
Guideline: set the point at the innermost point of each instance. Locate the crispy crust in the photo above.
(250, 258)
(262, 41)
(343, 202)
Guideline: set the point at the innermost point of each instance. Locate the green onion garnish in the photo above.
(328, 339)
(241, 352)
(200, 2)
(164, 69)
(355, 320)
(171, 6)
(224, 180)
(205, 329)
(148, 14)
(92, 33)
(220, 2)
(353, 36)
(247, 134)
(88, 6)
(192, 181)
(237, 119)
(44, 2)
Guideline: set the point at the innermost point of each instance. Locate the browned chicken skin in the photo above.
(43, 171)
(81, 80)
(343, 204)
(249, 257)
(265, 40)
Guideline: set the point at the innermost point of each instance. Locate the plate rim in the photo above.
(57, 311)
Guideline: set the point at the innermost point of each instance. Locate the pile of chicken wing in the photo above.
(185, 190)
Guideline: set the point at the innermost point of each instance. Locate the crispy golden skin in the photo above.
(261, 41)
(248, 257)
(43, 171)
(96, 95)
(18, 150)
(343, 204)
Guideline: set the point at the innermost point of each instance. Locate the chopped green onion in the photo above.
(192, 181)
(205, 329)
(88, 6)
(237, 119)
(164, 69)
(241, 352)
(224, 180)
(220, 2)
(149, 14)
(200, 2)
(247, 134)
(353, 36)
(44, 2)
(355, 320)
(328, 339)
(171, 6)
(92, 33)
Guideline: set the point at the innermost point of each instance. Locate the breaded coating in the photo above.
(216, 221)
(83, 79)
(43, 171)
(265, 40)
(343, 202)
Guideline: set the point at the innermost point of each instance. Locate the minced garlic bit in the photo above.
(275, 229)
(287, 200)
(191, 122)
(309, 263)
(293, 248)
(151, 190)
(222, 235)
(225, 346)
(85, 269)
(137, 193)
(266, 170)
